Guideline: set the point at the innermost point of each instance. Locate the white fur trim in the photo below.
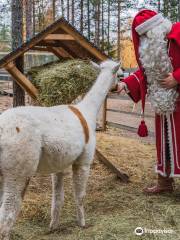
(164, 144)
(160, 172)
(168, 116)
(149, 24)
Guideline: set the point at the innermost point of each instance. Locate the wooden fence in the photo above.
(106, 109)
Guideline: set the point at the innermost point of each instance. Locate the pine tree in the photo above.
(17, 40)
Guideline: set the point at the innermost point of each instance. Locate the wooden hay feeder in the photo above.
(61, 39)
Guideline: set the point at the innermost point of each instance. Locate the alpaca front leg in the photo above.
(80, 177)
(14, 190)
(57, 200)
(1, 192)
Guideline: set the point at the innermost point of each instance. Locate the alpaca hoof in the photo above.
(82, 224)
(54, 226)
(3, 237)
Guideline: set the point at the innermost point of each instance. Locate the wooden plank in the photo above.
(123, 176)
(120, 97)
(60, 52)
(93, 50)
(41, 49)
(49, 43)
(21, 79)
(104, 114)
(63, 37)
(127, 128)
(129, 113)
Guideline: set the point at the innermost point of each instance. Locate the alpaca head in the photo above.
(112, 66)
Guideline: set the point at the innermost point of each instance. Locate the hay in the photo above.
(62, 82)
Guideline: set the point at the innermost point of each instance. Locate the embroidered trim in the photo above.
(136, 78)
(164, 145)
(170, 143)
(175, 142)
(82, 121)
(162, 130)
(160, 172)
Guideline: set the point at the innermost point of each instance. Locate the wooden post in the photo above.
(21, 79)
(123, 176)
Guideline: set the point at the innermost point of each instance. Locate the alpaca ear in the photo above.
(95, 65)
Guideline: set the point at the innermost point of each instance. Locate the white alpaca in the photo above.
(47, 140)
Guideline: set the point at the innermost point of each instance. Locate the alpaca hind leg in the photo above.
(57, 200)
(1, 191)
(13, 193)
(80, 178)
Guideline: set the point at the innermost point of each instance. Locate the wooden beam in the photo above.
(21, 79)
(42, 49)
(123, 176)
(63, 37)
(60, 52)
(83, 42)
(69, 50)
(49, 43)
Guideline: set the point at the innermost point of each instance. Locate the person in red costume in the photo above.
(157, 48)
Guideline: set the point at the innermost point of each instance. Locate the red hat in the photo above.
(144, 21)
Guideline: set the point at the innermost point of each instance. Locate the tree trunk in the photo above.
(119, 24)
(62, 7)
(179, 11)
(68, 10)
(102, 24)
(72, 10)
(34, 18)
(17, 40)
(82, 16)
(108, 34)
(29, 22)
(97, 23)
(54, 10)
(88, 19)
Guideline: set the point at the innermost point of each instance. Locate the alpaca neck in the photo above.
(95, 97)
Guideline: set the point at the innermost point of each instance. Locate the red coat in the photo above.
(138, 87)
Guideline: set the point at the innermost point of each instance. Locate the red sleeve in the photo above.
(133, 83)
(176, 75)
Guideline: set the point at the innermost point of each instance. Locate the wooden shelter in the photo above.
(61, 39)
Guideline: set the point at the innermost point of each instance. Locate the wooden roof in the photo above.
(62, 39)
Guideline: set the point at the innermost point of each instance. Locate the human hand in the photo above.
(169, 82)
(121, 86)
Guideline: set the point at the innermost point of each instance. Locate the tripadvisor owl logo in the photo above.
(139, 231)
